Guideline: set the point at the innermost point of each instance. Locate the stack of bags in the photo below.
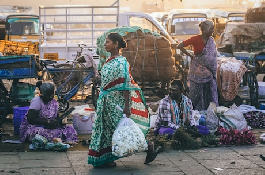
(149, 54)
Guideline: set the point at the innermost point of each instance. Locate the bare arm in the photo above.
(33, 119)
(181, 47)
(126, 109)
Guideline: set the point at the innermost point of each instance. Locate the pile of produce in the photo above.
(17, 48)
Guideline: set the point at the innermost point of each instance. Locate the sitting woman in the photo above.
(173, 111)
(42, 118)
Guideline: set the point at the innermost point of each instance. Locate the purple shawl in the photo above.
(203, 67)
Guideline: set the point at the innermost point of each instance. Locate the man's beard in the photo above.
(175, 97)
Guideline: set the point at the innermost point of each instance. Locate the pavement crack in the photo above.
(198, 161)
(175, 164)
(70, 163)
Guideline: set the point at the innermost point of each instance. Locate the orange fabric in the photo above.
(196, 42)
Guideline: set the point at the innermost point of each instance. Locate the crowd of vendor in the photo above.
(175, 110)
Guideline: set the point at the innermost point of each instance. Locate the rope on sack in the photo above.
(136, 51)
(142, 72)
(157, 72)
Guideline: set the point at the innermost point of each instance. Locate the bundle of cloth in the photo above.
(229, 75)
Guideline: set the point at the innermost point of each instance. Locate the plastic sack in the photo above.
(38, 142)
(57, 146)
(235, 118)
(195, 117)
(128, 139)
(211, 118)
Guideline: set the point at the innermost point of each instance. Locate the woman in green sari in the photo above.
(117, 88)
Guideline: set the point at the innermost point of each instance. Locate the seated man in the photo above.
(42, 118)
(174, 110)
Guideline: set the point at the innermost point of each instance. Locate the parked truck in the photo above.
(184, 23)
(63, 27)
(69, 26)
(19, 34)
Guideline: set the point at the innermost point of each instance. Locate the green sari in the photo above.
(115, 78)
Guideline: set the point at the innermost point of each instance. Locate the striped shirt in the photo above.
(165, 114)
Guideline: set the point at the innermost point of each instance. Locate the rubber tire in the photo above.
(4, 107)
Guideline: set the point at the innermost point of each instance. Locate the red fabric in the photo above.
(100, 153)
(196, 42)
(114, 83)
(137, 100)
(138, 112)
(111, 58)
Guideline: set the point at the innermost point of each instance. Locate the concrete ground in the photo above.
(234, 160)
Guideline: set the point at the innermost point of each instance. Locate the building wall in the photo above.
(132, 5)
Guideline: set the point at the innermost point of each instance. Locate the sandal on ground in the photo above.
(152, 153)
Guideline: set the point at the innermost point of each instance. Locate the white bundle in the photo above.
(128, 139)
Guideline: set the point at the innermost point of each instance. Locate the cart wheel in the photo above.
(3, 107)
(254, 89)
(63, 105)
(60, 77)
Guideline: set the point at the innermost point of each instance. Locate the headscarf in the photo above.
(46, 88)
(206, 25)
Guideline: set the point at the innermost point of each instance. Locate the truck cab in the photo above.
(222, 17)
(145, 21)
(19, 34)
(22, 28)
(184, 23)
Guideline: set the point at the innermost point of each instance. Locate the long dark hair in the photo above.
(115, 37)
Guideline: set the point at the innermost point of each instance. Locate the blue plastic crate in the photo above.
(18, 115)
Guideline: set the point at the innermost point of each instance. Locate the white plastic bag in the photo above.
(235, 118)
(128, 139)
(211, 118)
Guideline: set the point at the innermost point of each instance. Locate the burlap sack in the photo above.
(254, 15)
(150, 57)
(153, 74)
